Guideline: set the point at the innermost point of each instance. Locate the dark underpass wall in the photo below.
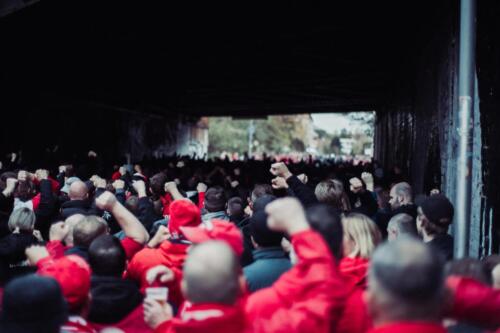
(45, 130)
(417, 128)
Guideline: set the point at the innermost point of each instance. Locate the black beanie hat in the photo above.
(261, 233)
(438, 209)
(32, 304)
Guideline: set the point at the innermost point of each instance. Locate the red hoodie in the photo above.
(474, 302)
(169, 254)
(308, 298)
(355, 317)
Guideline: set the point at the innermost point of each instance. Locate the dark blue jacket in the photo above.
(269, 263)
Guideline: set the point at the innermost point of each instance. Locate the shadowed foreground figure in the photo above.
(406, 288)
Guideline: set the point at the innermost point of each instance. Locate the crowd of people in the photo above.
(187, 245)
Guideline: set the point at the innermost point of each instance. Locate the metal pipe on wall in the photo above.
(466, 77)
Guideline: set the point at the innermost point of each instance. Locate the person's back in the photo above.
(32, 304)
(115, 301)
(435, 214)
(270, 261)
(215, 204)
(79, 202)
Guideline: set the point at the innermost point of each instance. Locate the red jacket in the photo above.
(308, 298)
(207, 318)
(355, 317)
(410, 327)
(133, 323)
(474, 302)
(169, 254)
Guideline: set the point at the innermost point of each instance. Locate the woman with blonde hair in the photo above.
(361, 237)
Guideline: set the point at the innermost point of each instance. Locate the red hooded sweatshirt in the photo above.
(355, 317)
(474, 302)
(169, 254)
(308, 298)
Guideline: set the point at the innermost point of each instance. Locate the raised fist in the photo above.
(119, 184)
(106, 201)
(286, 215)
(356, 185)
(201, 187)
(41, 174)
(170, 186)
(35, 253)
(280, 170)
(58, 231)
(279, 183)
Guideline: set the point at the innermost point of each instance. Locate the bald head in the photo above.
(71, 222)
(401, 194)
(211, 274)
(78, 190)
(406, 282)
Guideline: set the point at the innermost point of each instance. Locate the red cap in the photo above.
(183, 213)
(73, 275)
(216, 230)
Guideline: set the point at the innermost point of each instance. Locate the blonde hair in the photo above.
(332, 192)
(22, 218)
(363, 232)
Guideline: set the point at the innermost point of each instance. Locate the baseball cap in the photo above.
(216, 230)
(438, 209)
(183, 213)
(73, 275)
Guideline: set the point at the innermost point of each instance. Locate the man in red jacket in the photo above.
(307, 298)
(170, 253)
(406, 288)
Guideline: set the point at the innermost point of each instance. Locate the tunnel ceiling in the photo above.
(230, 58)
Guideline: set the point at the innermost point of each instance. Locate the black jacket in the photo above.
(303, 192)
(113, 299)
(12, 258)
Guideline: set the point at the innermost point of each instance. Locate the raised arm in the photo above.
(130, 225)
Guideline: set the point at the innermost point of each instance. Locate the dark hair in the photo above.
(215, 199)
(261, 233)
(25, 190)
(260, 190)
(326, 220)
(107, 256)
(132, 203)
(3, 179)
(235, 206)
(87, 230)
(157, 184)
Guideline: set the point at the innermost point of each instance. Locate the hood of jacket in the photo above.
(113, 299)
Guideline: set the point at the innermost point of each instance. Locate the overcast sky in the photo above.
(332, 122)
